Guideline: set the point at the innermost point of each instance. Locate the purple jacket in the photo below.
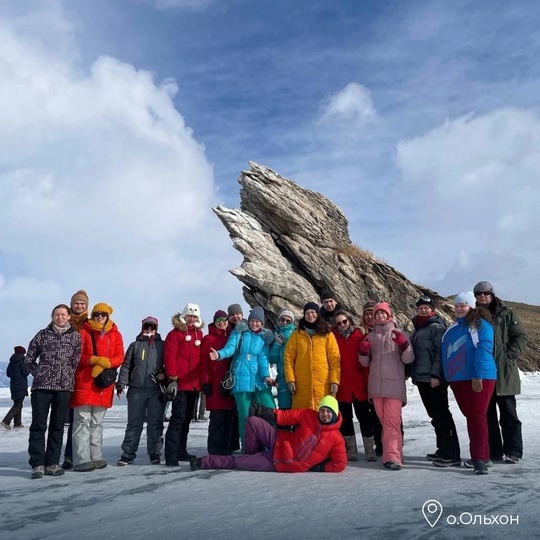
(58, 354)
(386, 363)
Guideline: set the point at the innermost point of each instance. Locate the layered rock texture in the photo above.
(295, 243)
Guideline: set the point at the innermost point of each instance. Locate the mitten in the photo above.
(93, 360)
(207, 389)
(266, 413)
(96, 370)
(364, 348)
(172, 388)
(400, 340)
(280, 338)
(104, 362)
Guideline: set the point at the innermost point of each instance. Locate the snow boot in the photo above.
(368, 448)
(352, 449)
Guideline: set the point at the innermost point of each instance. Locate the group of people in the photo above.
(327, 368)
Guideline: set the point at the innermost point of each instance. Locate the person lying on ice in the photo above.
(312, 442)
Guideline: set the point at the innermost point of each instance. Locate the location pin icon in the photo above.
(432, 511)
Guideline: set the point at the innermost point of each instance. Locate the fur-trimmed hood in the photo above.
(179, 323)
(267, 335)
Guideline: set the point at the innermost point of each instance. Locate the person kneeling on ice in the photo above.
(303, 440)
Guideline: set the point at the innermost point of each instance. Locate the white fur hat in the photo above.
(192, 309)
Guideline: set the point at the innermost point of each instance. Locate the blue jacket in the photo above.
(251, 365)
(276, 357)
(462, 358)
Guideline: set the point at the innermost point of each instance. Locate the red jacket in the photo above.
(354, 376)
(213, 372)
(309, 444)
(182, 355)
(111, 346)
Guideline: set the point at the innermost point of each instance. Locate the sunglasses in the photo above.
(342, 323)
(221, 320)
(98, 314)
(149, 326)
(482, 293)
(285, 320)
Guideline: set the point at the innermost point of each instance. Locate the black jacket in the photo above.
(426, 344)
(18, 374)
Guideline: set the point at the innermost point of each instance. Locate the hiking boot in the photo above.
(123, 461)
(38, 472)
(183, 455)
(100, 463)
(480, 467)
(54, 470)
(85, 467)
(433, 457)
(497, 459)
(5, 426)
(441, 462)
(393, 465)
(470, 463)
(511, 458)
(172, 463)
(20, 426)
(195, 464)
(68, 463)
(155, 459)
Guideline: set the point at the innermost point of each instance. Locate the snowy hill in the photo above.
(366, 501)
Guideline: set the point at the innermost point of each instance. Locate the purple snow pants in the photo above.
(258, 432)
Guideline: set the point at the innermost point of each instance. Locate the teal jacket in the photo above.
(276, 357)
(250, 366)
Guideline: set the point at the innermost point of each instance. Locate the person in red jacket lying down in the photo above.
(312, 442)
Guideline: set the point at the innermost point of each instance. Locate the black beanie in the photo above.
(328, 295)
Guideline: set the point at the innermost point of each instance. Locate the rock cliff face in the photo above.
(296, 243)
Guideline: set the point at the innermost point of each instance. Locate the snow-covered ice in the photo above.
(366, 501)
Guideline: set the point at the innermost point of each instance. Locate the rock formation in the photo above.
(296, 243)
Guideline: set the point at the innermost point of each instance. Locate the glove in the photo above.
(365, 347)
(292, 387)
(172, 388)
(400, 340)
(120, 389)
(105, 363)
(96, 370)
(207, 389)
(333, 389)
(266, 413)
(280, 338)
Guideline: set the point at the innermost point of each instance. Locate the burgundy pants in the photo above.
(258, 432)
(474, 407)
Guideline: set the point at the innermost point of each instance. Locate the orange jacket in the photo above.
(111, 346)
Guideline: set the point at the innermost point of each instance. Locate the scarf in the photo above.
(61, 329)
(386, 335)
(347, 332)
(103, 328)
(77, 321)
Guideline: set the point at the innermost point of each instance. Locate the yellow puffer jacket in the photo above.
(313, 364)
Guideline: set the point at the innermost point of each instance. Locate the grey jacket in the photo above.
(58, 355)
(141, 358)
(426, 343)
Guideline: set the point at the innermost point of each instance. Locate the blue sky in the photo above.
(124, 122)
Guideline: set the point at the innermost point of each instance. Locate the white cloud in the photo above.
(476, 185)
(351, 103)
(104, 187)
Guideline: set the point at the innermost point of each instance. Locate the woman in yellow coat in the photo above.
(311, 362)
